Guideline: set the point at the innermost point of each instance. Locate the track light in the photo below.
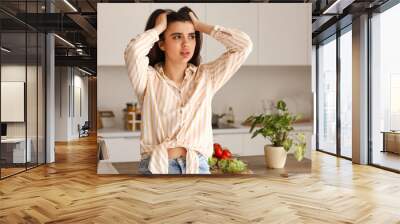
(338, 6)
(70, 5)
(5, 50)
(84, 71)
(64, 40)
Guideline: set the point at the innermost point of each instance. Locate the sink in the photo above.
(223, 126)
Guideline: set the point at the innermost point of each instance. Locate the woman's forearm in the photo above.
(204, 28)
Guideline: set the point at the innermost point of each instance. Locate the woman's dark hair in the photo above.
(182, 15)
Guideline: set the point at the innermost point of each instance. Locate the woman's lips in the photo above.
(185, 54)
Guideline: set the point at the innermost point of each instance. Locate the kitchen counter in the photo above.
(240, 129)
(255, 163)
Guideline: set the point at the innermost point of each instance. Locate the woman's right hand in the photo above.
(161, 22)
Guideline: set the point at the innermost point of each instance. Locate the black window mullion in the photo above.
(37, 93)
(317, 95)
(0, 98)
(26, 87)
(369, 90)
(338, 76)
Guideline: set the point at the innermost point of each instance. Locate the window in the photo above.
(346, 93)
(385, 89)
(327, 96)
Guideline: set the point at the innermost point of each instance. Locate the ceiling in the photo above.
(77, 22)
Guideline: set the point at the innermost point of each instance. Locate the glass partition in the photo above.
(22, 88)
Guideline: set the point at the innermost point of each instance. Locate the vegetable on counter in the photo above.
(222, 160)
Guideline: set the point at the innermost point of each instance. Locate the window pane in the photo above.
(346, 94)
(385, 82)
(327, 97)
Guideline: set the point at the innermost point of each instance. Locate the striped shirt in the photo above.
(180, 116)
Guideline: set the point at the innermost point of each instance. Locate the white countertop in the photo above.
(117, 133)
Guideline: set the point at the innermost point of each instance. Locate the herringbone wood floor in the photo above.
(70, 191)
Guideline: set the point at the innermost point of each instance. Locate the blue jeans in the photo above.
(177, 165)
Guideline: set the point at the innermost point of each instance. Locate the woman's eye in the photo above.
(176, 37)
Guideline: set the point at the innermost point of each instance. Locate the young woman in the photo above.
(175, 91)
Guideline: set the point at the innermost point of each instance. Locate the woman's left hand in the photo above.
(194, 19)
(200, 26)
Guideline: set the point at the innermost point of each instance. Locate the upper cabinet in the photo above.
(281, 33)
(117, 25)
(242, 16)
(198, 8)
(284, 34)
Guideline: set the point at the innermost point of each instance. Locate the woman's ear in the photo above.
(161, 45)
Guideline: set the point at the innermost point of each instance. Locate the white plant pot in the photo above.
(275, 157)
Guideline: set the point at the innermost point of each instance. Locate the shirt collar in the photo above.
(189, 71)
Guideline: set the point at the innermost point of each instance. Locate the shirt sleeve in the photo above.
(137, 62)
(238, 47)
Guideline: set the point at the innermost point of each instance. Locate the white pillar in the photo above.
(360, 90)
(50, 99)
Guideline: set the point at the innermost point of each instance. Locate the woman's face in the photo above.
(179, 42)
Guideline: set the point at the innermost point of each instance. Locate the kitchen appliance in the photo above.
(215, 119)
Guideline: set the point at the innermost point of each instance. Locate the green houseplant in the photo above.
(276, 127)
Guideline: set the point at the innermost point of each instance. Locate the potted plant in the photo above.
(276, 127)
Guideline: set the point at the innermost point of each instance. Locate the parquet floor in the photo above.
(70, 191)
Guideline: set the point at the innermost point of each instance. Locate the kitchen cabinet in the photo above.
(255, 146)
(115, 31)
(198, 8)
(284, 34)
(281, 33)
(234, 142)
(121, 149)
(233, 17)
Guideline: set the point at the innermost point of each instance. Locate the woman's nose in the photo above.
(185, 41)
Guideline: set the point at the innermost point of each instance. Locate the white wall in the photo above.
(264, 22)
(252, 84)
(114, 91)
(244, 92)
(66, 121)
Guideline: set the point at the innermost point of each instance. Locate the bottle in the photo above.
(230, 117)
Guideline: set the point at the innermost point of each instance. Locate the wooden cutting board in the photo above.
(218, 171)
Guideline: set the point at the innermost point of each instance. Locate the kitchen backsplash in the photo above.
(251, 90)
(255, 89)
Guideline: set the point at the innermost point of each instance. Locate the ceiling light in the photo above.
(84, 71)
(65, 41)
(70, 5)
(338, 6)
(5, 50)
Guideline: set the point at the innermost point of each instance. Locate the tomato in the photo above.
(216, 145)
(218, 152)
(226, 153)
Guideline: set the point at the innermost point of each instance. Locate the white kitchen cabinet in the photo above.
(284, 34)
(234, 142)
(198, 8)
(242, 16)
(281, 33)
(255, 146)
(121, 149)
(116, 25)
